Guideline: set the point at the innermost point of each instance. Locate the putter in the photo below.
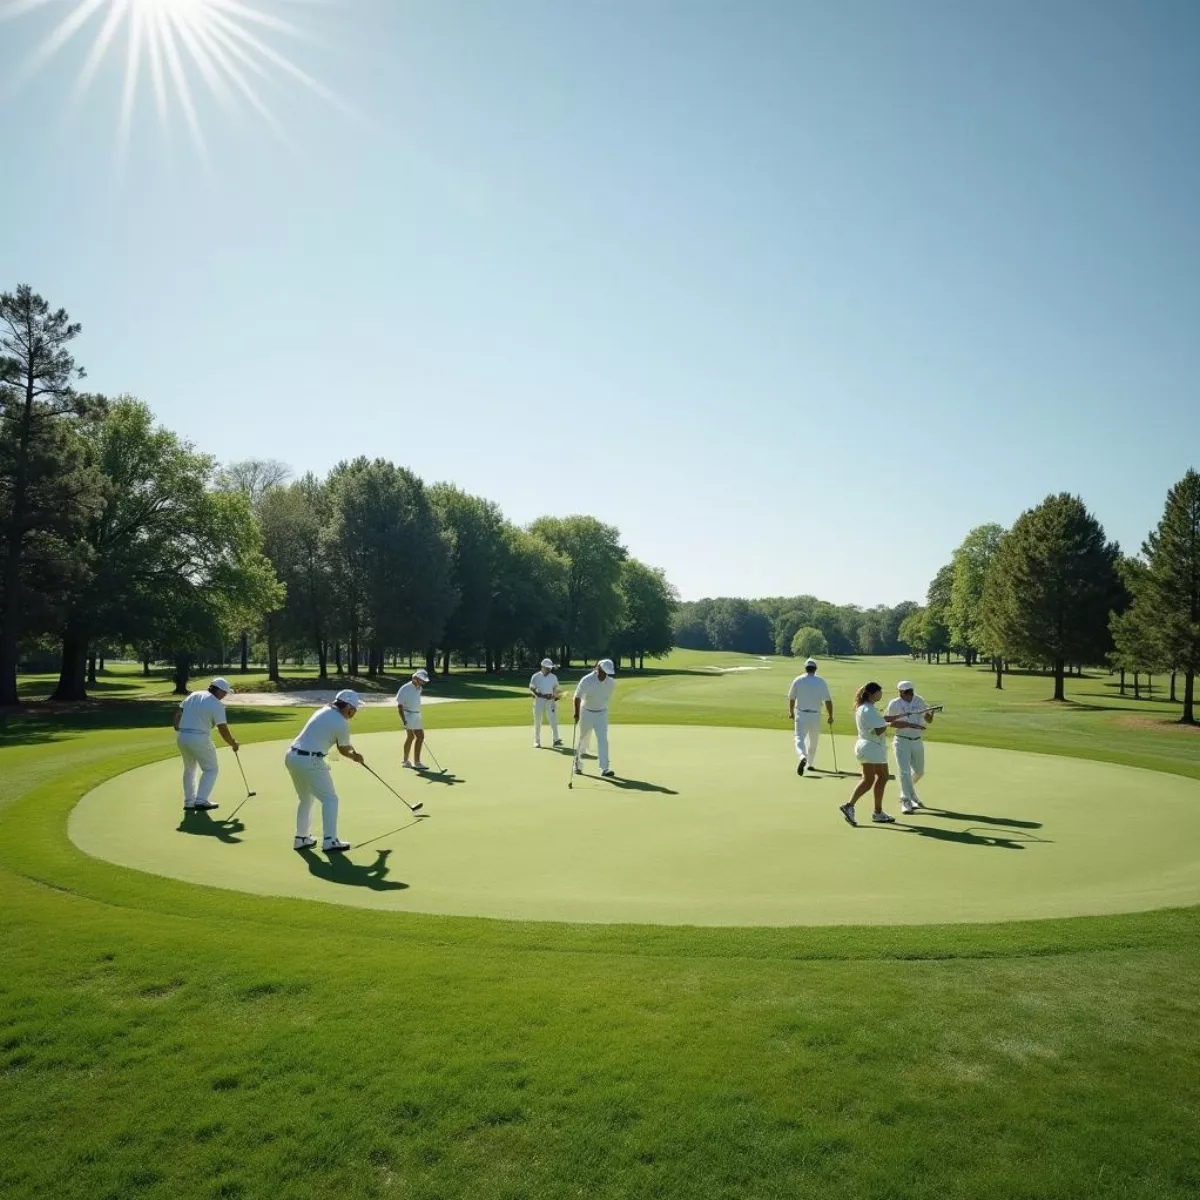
(410, 807)
(425, 747)
(833, 747)
(249, 794)
(571, 777)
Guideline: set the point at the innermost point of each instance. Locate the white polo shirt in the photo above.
(867, 722)
(595, 694)
(908, 710)
(202, 711)
(545, 684)
(409, 697)
(325, 729)
(810, 692)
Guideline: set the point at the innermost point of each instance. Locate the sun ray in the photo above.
(66, 29)
(133, 64)
(18, 8)
(108, 31)
(179, 78)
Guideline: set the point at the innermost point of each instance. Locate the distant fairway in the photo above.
(703, 827)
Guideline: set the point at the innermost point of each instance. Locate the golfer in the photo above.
(907, 745)
(592, 698)
(193, 722)
(408, 704)
(544, 686)
(305, 761)
(805, 698)
(871, 751)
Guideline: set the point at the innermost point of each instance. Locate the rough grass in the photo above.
(160, 1039)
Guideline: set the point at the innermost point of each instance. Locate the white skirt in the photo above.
(870, 752)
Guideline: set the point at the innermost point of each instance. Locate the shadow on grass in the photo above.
(448, 777)
(963, 837)
(417, 819)
(980, 817)
(337, 868)
(202, 824)
(637, 785)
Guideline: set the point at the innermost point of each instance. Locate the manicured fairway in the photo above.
(704, 827)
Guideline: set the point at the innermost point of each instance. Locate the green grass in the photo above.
(162, 1039)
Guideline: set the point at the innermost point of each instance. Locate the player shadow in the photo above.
(448, 778)
(983, 819)
(636, 785)
(337, 868)
(964, 837)
(200, 822)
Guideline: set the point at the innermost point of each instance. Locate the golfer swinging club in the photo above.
(305, 762)
(544, 686)
(408, 704)
(805, 697)
(592, 698)
(907, 745)
(193, 722)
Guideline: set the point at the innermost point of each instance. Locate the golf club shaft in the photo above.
(833, 747)
(249, 793)
(571, 777)
(410, 807)
(425, 746)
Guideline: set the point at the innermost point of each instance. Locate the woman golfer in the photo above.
(871, 751)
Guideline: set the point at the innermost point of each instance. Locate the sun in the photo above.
(228, 47)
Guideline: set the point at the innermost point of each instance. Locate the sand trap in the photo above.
(316, 699)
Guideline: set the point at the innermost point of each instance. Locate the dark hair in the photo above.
(864, 691)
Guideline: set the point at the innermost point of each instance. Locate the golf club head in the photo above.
(417, 807)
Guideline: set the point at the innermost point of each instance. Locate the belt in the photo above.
(309, 753)
(900, 737)
(808, 710)
(595, 710)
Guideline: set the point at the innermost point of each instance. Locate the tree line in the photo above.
(1053, 592)
(114, 532)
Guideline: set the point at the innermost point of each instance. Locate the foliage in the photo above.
(808, 642)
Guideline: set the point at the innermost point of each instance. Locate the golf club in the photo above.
(425, 747)
(410, 807)
(571, 777)
(833, 747)
(248, 794)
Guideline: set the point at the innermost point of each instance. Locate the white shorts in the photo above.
(870, 752)
(412, 720)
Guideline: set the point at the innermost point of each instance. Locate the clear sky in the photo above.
(792, 293)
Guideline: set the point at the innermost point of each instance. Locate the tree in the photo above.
(785, 627)
(808, 642)
(594, 555)
(689, 627)
(253, 478)
(735, 624)
(530, 603)
(1051, 587)
(969, 566)
(471, 529)
(1168, 599)
(647, 603)
(912, 631)
(45, 488)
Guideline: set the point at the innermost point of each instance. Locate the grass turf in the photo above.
(705, 827)
(163, 1039)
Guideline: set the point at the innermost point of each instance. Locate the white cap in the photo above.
(547, 662)
(810, 662)
(223, 684)
(422, 675)
(906, 685)
(606, 665)
(348, 697)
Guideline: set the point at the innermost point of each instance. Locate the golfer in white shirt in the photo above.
(871, 752)
(305, 761)
(908, 745)
(408, 704)
(194, 721)
(808, 693)
(593, 694)
(544, 686)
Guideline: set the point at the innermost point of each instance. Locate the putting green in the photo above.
(706, 826)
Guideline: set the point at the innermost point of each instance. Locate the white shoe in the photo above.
(883, 818)
(847, 811)
(419, 767)
(407, 765)
(205, 805)
(578, 769)
(334, 846)
(303, 842)
(537, 745)
(917, 804)
(906, 808)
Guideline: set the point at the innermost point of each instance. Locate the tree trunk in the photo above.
(445, 662)
(353, 663)
(1189, 697)
(431, 659)
(1122, 681)
(245, 652)
(91, 670)
(641, 662)
(1173, 699)
(71, 675)
(146, 663)
(1059, 671)
(998, 667)
(1137, 687)
(322, 659)
(272, 650)
(10, 624)
(183, 668)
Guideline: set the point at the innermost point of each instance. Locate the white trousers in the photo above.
(910, 764)
(808, 732)
(541, 710)
(597, 722)
(312, 781)
(198, 754)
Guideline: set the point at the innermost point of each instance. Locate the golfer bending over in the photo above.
(592, 697)
(305, 762)
(871, 751)
(193, 722)
(408, 704)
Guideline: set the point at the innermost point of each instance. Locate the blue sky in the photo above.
(794, 294)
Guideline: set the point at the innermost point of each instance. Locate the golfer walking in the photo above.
(408, 704)
(305, 761)
(593, 694)
(871, 751)
(544, 686)
(193, 722)
(908, 745)
(805, 698)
